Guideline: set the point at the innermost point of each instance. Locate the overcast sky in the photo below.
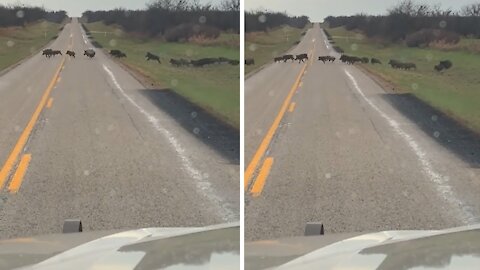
(317, 10)
(76, 7)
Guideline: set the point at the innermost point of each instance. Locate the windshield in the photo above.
(119, 114)
(361, 115)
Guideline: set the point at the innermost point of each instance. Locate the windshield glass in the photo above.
(361, 115)
(119, 114)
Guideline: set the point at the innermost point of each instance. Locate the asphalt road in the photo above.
(349, 153)
(92, 143)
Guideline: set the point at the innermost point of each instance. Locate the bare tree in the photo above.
(197, 6)
(421, 10)
(406, 7)
(170, 4)
(471, 10)
(230, 5)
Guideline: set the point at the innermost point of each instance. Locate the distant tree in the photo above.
(471, 10)
(408, 19)
(265, 20)
(20, 15)
(233, 5)
(406, 7)
(180, 18)
(170, 5)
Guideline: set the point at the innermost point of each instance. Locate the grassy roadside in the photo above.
(455, 92)
(17, 43)
(215, 88)
(263, 46)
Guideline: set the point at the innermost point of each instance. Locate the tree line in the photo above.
(16, 15)
(416, 24)
(265, 20)
(175, 20)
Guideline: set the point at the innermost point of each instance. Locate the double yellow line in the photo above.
(259, 181)
(253, 165)
(22, 140)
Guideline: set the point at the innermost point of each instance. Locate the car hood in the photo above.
(212, 247)
(457, 248)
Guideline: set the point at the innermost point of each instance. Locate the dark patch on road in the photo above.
(445, 130)
(221, 137)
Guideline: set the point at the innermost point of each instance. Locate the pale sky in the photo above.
(76, 7)
(317, 10)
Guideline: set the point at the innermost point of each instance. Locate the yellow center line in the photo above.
(19, 173)
(260, 180)
(262, 177)
(22, 140)
(49, 103)
(292, 107)
(252, 166)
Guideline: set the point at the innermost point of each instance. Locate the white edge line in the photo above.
(441, 182)
(202, 184)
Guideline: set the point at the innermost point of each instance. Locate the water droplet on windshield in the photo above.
(354, 47)
(196, 131)
(414, 86)
(436, 134)
(202, 19)
(328, 175)
(194, 114)
(262, 18)
(10, 43)
(434, 118)
(86, 172)
(442, 24)
(252, 47)
(112, 42)
(20, 14)
(118, 32)
(174, 82)
(429, 57)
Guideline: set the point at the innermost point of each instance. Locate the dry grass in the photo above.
(227, 40)
(17, 43)
(263, 46)
(454, 92)
(215, 88)
(469, 44)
